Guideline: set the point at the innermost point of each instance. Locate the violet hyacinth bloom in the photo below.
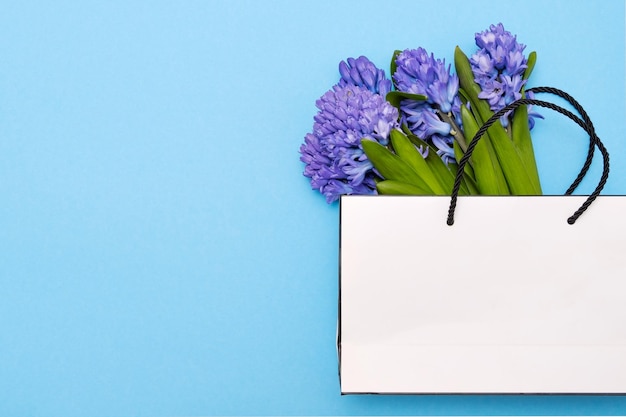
(363, 73)
(335, 161)
(420, 73)
(498, 68)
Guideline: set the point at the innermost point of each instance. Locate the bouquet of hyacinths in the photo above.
(404, 135)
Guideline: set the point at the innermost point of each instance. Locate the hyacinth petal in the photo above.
(344, 70)
(438, 93)
(384, 86)
(483, 63)
(444, 148)
(432, 125)
(452, 91)
(368, 78)
(357, 171)
(356, 76)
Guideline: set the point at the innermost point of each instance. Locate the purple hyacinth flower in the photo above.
(332, 153)
(417, 72)
(498, 68)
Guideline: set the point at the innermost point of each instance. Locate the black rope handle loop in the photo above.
(521, 102)
(592, 139)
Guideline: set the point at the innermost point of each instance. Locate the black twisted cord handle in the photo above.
(585, 124)
(593, 139)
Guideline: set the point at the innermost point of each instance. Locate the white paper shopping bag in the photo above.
(511, 299)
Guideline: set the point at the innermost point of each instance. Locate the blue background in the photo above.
(161, 253)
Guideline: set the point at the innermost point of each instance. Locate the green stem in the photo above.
(456, 131)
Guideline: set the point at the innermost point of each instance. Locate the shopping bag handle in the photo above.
(585, 123)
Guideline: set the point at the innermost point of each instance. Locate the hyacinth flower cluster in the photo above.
(352, 110)
(438, 118)
(498, 67)
(374, 136)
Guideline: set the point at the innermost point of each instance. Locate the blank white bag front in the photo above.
(510, 299)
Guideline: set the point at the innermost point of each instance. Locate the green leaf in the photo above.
(466, 76)
(464, 97)
(520, 131)
(396, 97)
(390, 166)
(520, 134)
(440, 170)
(393, 65)
(407, 152)
(468, 172)
(445, 174)
(530, 65)
(468, 184)
(391, 187)
(420, 143)
(490, 179)
(406, 130)
(472, 187)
